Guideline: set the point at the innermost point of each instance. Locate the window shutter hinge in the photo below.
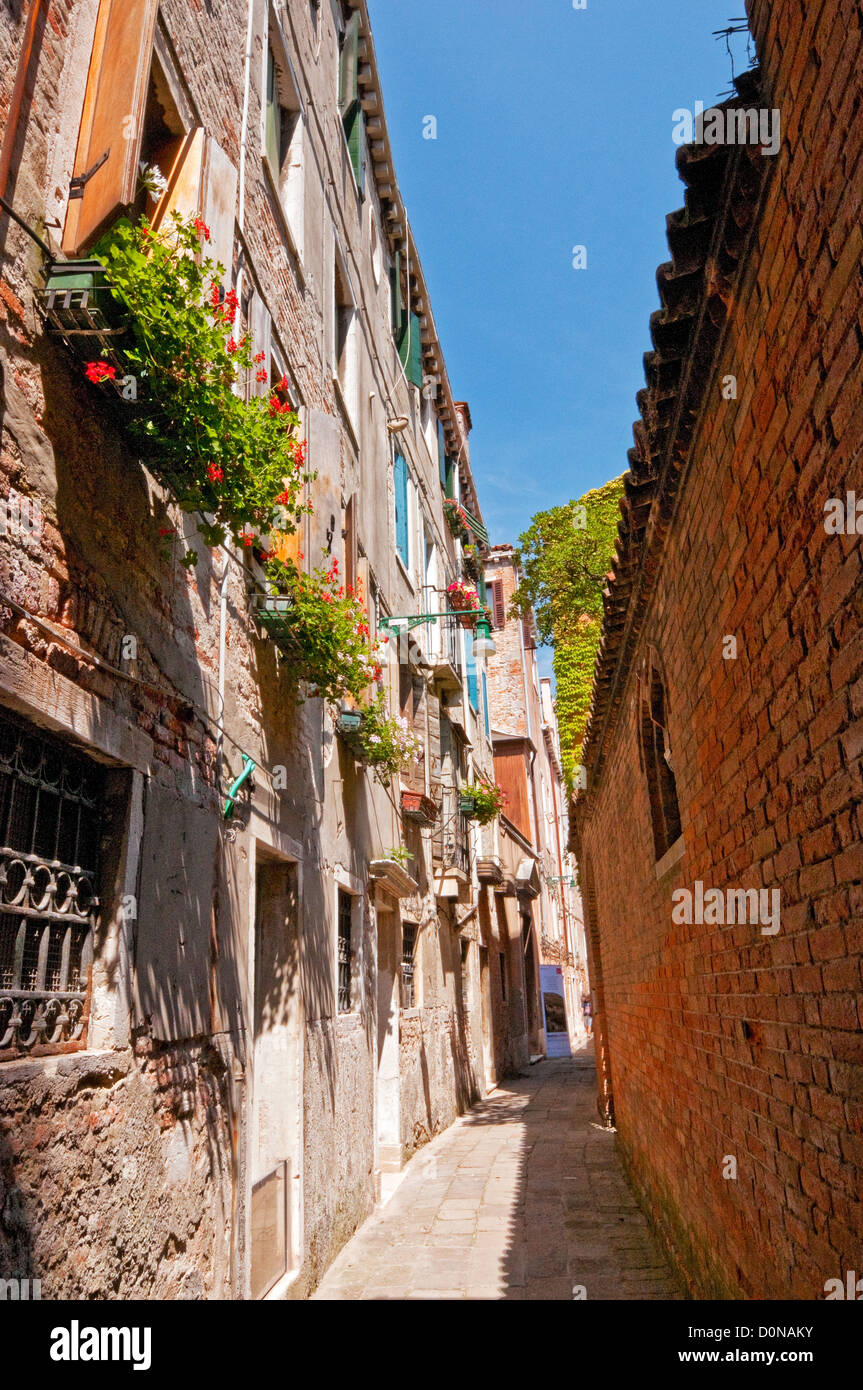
(76, 184)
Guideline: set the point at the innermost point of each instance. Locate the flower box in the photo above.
(456, 520)
(467, 806)
(418, 807)
(489, 870)
(349, 725)
(277, 614)
(80, 309)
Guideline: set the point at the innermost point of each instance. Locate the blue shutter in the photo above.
(485, 704)
(400, 477)
(472, 678)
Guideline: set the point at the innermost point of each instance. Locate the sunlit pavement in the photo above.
(522, 1198)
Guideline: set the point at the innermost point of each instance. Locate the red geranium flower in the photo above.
(100, 371)
(202, 229)
(231, 345)
(214, 473)
(261, 374)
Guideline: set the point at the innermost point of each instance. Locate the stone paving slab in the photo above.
(524, 1197)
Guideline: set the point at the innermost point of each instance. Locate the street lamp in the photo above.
(484, 644)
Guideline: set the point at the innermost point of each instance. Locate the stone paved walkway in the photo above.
(522, 1198)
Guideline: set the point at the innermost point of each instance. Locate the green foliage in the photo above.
(238, 460)
(488, 800)
(564, 557)
(387, 743)
(330, 631)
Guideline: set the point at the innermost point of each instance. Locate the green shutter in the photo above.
(449, 485)
(481, 590)
(396, 295)
(441, 452)
(410, 350)
(272, 118)
(349, 62)
(355, 123)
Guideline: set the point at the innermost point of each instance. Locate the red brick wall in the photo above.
(723, 1040)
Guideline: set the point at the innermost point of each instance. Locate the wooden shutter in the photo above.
(410, 349)
(202, 183)
(400, 478)
(220, 204)
(472, 677)
(355, 123)
(349, 62)
(498, 608)
(185, 191)
(109, 140)
(272, 119)
(511, 776)
(260, 327)
(350, 539)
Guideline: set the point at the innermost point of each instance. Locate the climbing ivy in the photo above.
(564, 557)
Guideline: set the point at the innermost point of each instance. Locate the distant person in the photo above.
(588, 1016)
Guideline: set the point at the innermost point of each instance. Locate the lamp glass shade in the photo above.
(484, 644)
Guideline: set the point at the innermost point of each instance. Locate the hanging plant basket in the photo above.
(80, 308)
(481, 801)
(416, 806)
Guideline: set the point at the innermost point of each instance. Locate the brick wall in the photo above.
(724, 1041)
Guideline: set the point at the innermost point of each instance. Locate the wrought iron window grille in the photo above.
(344, 951)
(50, 823)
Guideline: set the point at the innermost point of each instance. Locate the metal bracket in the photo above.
(76, 184)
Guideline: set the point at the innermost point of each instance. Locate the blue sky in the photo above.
(553, 130)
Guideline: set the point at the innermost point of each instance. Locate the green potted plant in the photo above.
(238, 461)
(481, 801)
(322, 627)
(387, 743)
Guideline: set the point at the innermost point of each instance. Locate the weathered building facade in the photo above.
(719, 836)
(230, 1004)
(533, 833)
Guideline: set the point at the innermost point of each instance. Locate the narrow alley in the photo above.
(522, 1198)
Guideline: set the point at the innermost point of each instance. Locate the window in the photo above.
(409, 946)
(502, 962)
(498, 607)
(350, 106)
(656, 752)
(400, 481)
(465, 976)
(345, 338)
(282, 136)
(50, 823)
(410, 349)
(345, 953)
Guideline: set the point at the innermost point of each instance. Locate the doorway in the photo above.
(276, 1082)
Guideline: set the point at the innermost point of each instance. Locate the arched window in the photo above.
(658, 766)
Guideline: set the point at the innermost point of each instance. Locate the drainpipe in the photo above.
(18, 92)
(244, 129)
